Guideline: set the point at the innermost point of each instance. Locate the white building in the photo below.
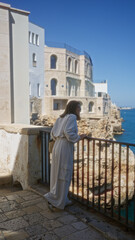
(14, 65)
(101, 88)
(68, 75)
(36, 68)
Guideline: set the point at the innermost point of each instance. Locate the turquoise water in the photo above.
(129, 126)
(128, 136)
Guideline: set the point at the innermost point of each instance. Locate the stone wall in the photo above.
(20, 153)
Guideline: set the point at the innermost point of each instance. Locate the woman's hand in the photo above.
(82, 136)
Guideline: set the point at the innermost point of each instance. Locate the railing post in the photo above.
(119, 196)
(43, 156)
(127, 160)
(99, 175)
(93, 182)
(83, 170)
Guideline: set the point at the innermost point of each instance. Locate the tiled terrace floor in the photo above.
(25, 215)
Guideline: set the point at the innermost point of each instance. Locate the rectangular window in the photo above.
(37, 39)
(34, 59)
(31, 107)
(30, 40)
(30, 89)
(56, 106)
(33, 38)
(38, 90)
(99, 94)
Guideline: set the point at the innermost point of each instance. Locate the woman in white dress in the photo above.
(65, 134)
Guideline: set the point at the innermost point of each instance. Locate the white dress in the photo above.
(65, 132)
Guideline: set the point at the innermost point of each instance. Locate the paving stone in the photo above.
(30, 197)
(18, 235)
(33, 218)
(32, 202)
(79, 225)
(47, 236)
(15, 214)
(14, 224)
(43, 205)
(2, 218)
(51, 224)
(3, 199)
(85, 235)
(15, 197)
(35, 230)
(24, 193)
(64, 231)
(31, 209)
(52, 215)
(51, 236)
(8, 206)
(67, 219)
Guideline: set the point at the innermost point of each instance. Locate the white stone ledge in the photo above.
(23, 129)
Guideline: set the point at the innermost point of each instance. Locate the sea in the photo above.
(128, 136)
(128, 125)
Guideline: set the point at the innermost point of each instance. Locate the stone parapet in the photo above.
(20, 153)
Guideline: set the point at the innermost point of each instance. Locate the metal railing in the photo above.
(68, 48)
(45, 155)
(103, 177)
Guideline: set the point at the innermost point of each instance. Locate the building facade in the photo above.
(36, 69)
(14, 65)
(68, 76)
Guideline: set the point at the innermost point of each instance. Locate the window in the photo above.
(38, 90)
(91, 106)
(53, 86)
(37, 39)
(76, 66)
(56, 106)
(81, 106)
(53, 62)
(30, 37)
(99, 94)
(34, 59)
(33, 38)
(30, 89)
(31, 107)
(69, 65)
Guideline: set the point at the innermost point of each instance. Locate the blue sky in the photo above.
(103, 28)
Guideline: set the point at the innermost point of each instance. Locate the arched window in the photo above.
(53, 86)
(76, 66)
(34, 59)
(69, 65)
(91, 107)
(53, 62)
(81, 106)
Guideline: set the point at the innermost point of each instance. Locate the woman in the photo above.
(65, 134)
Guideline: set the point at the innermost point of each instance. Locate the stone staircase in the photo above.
(6, 178)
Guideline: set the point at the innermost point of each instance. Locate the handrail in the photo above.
(111, 141)
(103, 172)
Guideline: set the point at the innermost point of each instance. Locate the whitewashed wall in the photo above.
(20, 153)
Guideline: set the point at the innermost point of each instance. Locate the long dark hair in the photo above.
(71, 109)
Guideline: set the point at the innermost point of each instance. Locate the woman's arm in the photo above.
(71, 130)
